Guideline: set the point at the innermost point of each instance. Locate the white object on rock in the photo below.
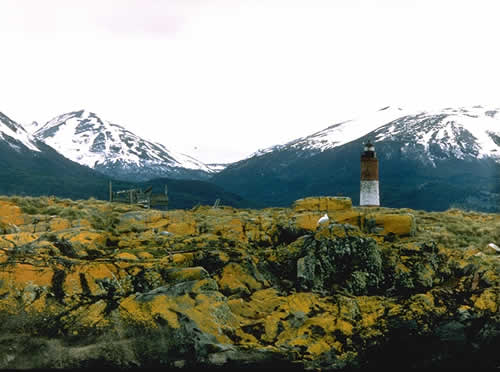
(494, 246)
(323, 219)
(167, 233)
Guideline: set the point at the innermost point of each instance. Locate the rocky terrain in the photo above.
(90, 283)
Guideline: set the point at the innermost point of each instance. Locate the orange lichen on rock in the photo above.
(88, 238)
(372, 309)
(307, 220)
(82, 223)
(182, 259)
(126, 256)
(56, 224)
(489, 300)
(20, 275)
(398, 224)
(422, 306)
(20, 238)
(322, 203)
(87, 277)
(182, 228)
(86, 317)
(347, 216)
(208, 312)
(11, 213)
(145, 255)
(232, 283)
(138, 313)
(234, 279)
(229, 227)
(262, 303)
(188, 273)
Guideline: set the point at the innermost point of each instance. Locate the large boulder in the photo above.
(322, 204)
(390, 223)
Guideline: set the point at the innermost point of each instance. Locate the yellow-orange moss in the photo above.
(126, 256)
(322, 203)
(92, 272)
(262, 303)
(308, 220)
(188, 273)
(11, 213)
(88, 316)
(88, 238)
(372, 309)
(399, 224)
(56, 224)
(182, 259)
(234, 279)
(488, 300)
(21, 238)
(22, 274)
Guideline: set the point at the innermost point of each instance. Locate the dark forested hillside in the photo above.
(280, 177)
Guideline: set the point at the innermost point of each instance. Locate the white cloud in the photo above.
(241, 75)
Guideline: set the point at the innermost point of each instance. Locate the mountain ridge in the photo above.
(454, 153)
(31, 167)
(111, 149)
(347, 131)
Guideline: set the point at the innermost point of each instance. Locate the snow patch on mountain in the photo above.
(338, 134)
(460, 132)
(347, 131)
(83, 137)
(456, 132)
(10, 130)
(217, 167)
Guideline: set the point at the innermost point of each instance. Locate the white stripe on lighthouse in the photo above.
(369, 193)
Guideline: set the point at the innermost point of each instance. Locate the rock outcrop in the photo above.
(90, 283)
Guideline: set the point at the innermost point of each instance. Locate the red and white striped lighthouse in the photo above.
(369, 193)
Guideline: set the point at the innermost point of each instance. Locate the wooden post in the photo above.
(110, 192)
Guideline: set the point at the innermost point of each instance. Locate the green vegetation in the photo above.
(456, 228)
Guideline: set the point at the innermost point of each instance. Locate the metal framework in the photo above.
(144, 198)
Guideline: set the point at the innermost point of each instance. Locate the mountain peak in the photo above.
(458, 132)
(15, 135)
(85, 138)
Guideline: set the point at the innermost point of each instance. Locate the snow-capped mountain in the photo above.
(113, 150)
(428, 160)
(451, 132)
(30, 167)
(15, 135)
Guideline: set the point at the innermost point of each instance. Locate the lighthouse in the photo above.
(369, 195)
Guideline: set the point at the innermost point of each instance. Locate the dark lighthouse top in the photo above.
(369, 151)
(369, 163)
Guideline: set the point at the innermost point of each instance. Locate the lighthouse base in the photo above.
(369, 195)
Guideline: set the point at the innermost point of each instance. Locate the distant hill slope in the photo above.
(427, 160)
(184, 194)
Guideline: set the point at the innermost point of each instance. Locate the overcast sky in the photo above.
(219, 79)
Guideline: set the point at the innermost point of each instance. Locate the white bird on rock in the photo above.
(494, 247)
(323, 219)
